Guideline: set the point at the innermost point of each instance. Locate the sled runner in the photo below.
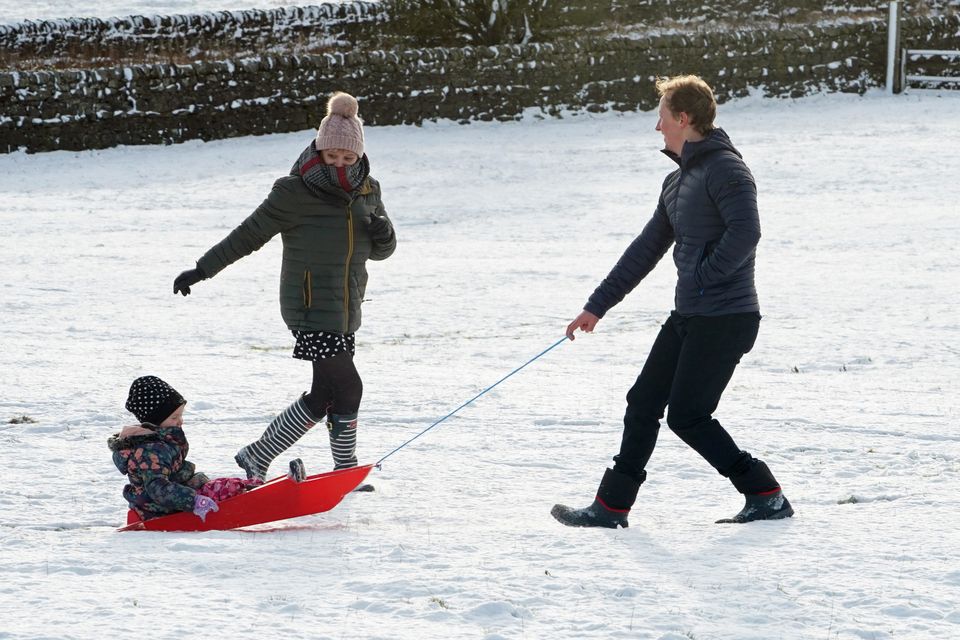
(278, 499)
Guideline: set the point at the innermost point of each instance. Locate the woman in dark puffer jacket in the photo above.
(708, 211)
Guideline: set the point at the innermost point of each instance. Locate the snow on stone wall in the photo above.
(247, 29)
(654, 13)
(151, 104)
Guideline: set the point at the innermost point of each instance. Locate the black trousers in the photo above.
(336, 388)
(689, 366)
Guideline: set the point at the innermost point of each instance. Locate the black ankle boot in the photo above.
(767, 506)
(615, 496)
(596, 515)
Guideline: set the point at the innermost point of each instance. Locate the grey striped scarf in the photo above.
(322, 178)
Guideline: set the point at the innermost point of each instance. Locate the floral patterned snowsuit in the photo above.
(162, 481)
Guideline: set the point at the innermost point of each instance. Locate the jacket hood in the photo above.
(716, 140)
(128, 438)
(126, 442)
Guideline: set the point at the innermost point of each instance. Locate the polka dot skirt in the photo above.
(318, 345)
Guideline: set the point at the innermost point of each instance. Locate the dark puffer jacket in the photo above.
(326, 244)
(708, 208)
(162, 481)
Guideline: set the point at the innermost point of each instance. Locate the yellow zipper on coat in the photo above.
(307, 288)
(346, 270)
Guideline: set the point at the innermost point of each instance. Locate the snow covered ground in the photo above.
(13, 11)
(504, 229)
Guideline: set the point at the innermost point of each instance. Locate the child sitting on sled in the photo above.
(153, 457)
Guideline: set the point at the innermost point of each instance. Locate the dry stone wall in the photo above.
(654, 12)
(251, 30)
(693, 13)
(150, 104)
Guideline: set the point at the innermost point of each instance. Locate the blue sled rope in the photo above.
(542, 353)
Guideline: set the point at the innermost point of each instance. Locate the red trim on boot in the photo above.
(609, 508)
(768, 493)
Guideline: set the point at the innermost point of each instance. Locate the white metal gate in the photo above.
(913, 55)
(898, 77)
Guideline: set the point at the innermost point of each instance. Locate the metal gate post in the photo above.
(894, 79)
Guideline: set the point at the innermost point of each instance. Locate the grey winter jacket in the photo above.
(708, 211)
(326, 244)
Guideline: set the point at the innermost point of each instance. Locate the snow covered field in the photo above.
(850, 394)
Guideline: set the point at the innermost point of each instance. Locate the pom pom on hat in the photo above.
(342, 127)
(343, 104)
(152, 400)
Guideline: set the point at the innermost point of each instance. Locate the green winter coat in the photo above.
(325, 249)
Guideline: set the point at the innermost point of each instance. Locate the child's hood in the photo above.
(133, 437)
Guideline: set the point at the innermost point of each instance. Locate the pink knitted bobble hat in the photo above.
(341, 128)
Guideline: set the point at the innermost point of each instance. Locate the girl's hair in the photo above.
(691, 95)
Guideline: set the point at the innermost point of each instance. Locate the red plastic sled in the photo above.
(278, 499)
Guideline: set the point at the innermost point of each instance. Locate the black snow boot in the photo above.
(615, 496)
(772, 505)
(764, 498)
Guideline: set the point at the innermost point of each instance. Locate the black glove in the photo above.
(380, 228)
(187, 279)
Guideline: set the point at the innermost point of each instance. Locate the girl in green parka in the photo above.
(331, 219)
